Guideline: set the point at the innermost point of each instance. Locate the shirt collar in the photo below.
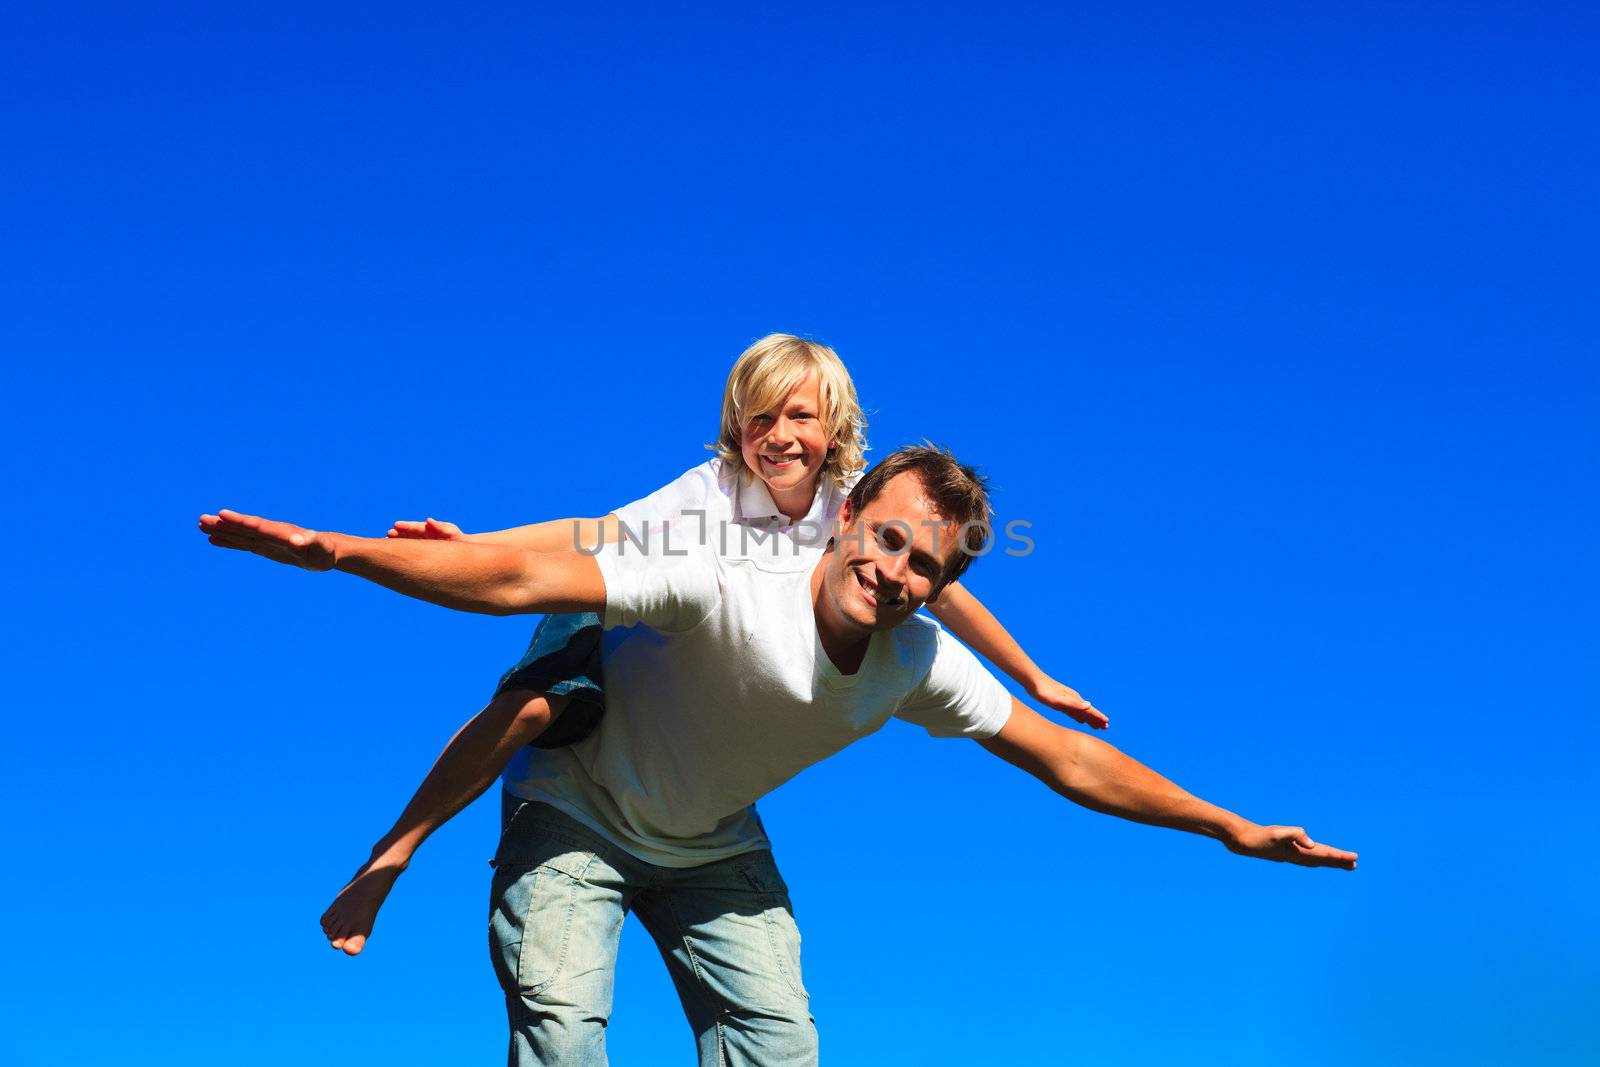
(757, 508)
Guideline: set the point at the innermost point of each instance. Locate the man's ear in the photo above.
(846, 513)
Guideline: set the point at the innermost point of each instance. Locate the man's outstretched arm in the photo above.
(483, 578)
(1092, 773)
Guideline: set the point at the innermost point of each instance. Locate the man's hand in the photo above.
(1287, 844)
(427, 530)
(1067, 700)
(281, 541)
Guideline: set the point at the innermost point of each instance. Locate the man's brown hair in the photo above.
(958, 493)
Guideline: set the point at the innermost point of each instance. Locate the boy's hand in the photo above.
(427, 530)
(1065, 699)
(280, 541)
(1286, 844)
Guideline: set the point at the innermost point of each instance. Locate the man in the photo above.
(741, 670)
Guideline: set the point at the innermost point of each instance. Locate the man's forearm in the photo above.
(1097, 776)
(1100, 777)
(483, 578)
(488, 579)
(1094, 774)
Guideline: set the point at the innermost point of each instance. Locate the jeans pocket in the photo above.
(777, 913)
(530, 925)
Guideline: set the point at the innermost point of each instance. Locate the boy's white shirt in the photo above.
(732, 496)
(718, 690)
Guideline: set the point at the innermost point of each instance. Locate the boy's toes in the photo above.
(352, 945)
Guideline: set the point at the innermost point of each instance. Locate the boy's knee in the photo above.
(528, 712)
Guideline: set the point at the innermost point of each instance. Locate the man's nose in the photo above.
(892, 569)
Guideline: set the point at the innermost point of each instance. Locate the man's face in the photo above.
(887, 560)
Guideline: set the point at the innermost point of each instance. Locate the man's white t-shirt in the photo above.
(718, 691)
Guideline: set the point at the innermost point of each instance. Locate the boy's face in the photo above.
(786, 446)
(887, 560)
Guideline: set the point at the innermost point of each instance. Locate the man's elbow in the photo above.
(1077, 763)
(544, 589)
(517, 589)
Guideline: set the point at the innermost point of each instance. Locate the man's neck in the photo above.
(845, 646)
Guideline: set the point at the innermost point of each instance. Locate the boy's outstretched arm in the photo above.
(1092, 773)
(554, 536)
(488, 579)
(975, 624)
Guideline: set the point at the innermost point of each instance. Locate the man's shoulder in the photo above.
(919, 629)
(917, 642)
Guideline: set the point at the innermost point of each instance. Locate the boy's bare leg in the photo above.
(471, 761)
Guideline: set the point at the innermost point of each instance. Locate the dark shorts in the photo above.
(563, 659)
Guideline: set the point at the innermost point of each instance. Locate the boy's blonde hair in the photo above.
(766, 372)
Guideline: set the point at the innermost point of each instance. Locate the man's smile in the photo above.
(870, 589)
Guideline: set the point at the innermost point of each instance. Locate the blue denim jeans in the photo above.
(725, 929)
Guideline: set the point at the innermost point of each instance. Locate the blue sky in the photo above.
(1278, 323)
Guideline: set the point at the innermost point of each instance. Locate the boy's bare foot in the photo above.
(348, 920)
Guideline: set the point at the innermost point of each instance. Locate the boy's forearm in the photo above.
(559, 535)
(968, 619)
(556, 535)
(535, 537)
